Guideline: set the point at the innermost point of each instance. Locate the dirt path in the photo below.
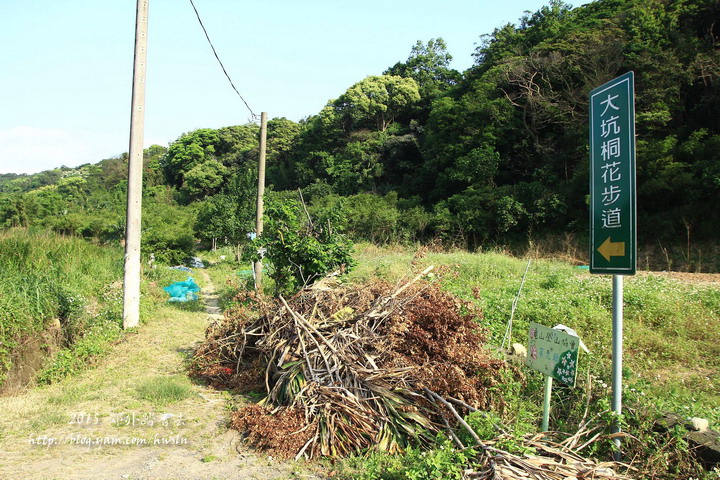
(210, 298)
(101, 424)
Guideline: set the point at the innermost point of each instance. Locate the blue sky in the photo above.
(66, 65)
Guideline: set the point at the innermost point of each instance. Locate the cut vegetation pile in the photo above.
(351, 368)
(369, 367)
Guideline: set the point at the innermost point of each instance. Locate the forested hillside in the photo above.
(495, 154)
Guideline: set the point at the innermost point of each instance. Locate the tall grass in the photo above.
(671, 352)
(671, 326)
(46, 277)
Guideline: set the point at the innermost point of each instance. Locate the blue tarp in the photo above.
(183, 291)
(181, 267)
(196, 262)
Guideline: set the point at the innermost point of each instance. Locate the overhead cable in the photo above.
(220, 61)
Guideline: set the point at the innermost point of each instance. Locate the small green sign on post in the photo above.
(553, 353)
(612, 177)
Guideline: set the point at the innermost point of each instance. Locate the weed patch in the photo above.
(163, 391)
(48, 279)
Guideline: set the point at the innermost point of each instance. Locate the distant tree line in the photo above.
(422, 152)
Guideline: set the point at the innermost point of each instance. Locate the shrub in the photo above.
(302, 249)
(168, 233)
(51, 278)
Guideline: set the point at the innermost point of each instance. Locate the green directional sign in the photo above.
(612, 177)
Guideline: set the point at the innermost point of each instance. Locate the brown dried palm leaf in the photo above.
(355, 361)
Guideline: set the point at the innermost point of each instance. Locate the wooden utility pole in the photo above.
(131, 291)
(260, 193)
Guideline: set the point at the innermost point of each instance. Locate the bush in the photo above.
(302, 249)
(375, 218)
(168, 233)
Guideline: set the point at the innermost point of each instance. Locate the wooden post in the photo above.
(260, 193)
(131, 290)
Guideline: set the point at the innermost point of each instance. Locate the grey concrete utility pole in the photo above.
(131, 290)
(260, 193)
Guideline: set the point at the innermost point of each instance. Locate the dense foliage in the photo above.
(497, 153)
(63, 285)
(501, 150)
(302, 249)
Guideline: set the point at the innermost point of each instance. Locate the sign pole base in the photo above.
(546, 403)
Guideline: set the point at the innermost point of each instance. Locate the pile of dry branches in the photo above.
(377, 366)
(373, 366)
(551, 461)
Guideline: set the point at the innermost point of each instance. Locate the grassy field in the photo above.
(671, 352)
(671, 325)
(671, 355)
(49, 280)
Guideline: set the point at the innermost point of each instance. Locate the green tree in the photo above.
(376, 100)
(188, 151)
(237, 145)
(302, 249)
(429, 65)
(13, 211)
(230, 215)
(204, 179)
(282, 140)
(72, 188)
(167, 232)
(152, 170)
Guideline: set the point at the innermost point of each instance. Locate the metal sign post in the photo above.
(613, 242)
(617, 361)
(553, 352)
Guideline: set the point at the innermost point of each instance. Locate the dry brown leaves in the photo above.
(355, 361)
(284, 433)
(439, 333)
(551, 461)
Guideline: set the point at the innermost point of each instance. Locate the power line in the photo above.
(220, 62)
